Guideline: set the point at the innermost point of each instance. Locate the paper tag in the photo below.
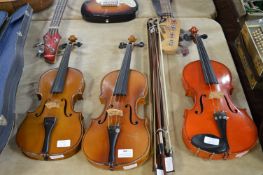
(56, 156)
(130, 166)
(63, 143)
(169, 164)
(211, 141)
(159, 172)
(241, 154)
(125, 153)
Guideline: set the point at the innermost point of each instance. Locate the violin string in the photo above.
(207, 63)
(52, 25)
(62, 64)
(125, 73)
(170, 11)
(60, 12)
(212, 75)
(55, 16)
(121, 85)
(202, 50)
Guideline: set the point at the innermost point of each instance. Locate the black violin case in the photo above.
(13, 33)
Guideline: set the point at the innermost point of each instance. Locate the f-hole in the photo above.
(106, 115)
(130, 108)
(232, 110)
(104, 119)
(65, 107)
(201, 105)
(38, 114)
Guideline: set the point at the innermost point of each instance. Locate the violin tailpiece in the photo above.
(221, 120)
(49, 123)
(114, 112)
(113, 132)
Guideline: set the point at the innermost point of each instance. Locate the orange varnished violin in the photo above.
(214, 128)
(54, 130)
(118, 139)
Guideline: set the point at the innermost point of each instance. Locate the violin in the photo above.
(54, 130)
(214, 128)
(118, 139)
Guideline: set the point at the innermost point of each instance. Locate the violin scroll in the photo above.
(194, 30)
(131, 40)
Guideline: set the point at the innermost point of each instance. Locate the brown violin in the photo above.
(214, 128)
(118, 139)
(54, 130)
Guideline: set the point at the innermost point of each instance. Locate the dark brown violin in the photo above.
(214, 128)
(118, 139)
(54, 130)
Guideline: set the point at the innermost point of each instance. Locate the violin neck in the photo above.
(60, 8)
(58, 85)
(207, 68)
(122, 81)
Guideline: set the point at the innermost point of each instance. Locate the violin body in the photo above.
(109, 11)
(133, 135)
(11, 5)
(65, 138)
(200, 124)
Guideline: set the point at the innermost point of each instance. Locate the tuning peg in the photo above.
(62, 46)
(78, 44)
(38, 44)
(122, 45)
(204, 36)
(187, 36)
(140, 44)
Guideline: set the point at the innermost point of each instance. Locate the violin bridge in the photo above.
(114, 112)
(52, 104)
(216, 95)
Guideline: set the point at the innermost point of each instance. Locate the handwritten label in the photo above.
(241, 154)
(130, 166)
(211, 141)
(63, 143)
(125, 153)
(169, 164)
(159, 172)
(56, 156)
